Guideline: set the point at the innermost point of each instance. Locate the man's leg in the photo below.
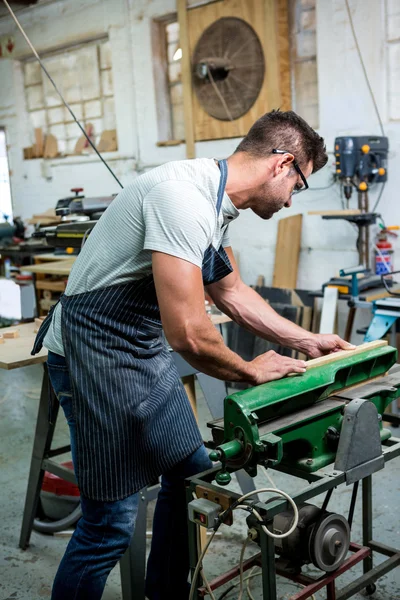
(105, 530)
(101, 537)
(168, 563)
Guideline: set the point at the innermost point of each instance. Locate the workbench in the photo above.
(16, 353)
(50, 273)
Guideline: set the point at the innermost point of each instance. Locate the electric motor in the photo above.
(321, 538)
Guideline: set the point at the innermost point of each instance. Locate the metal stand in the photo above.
(319, 483)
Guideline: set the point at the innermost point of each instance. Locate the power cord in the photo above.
(248, 508)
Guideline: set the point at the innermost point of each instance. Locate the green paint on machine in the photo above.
(294, 423)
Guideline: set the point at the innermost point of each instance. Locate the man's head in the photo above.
(280, 151)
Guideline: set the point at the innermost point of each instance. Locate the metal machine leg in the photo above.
(268, 566)
(41, 447)
(133, 562)
(367, 519)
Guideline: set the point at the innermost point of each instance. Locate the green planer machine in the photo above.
(324, 427)
(300, 424)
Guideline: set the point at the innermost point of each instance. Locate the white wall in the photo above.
(345, 108)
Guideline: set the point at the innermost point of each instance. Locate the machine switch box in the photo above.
(204, 512)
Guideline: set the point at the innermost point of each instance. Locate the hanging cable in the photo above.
(59, 93)
(363, 67)
(379, 197)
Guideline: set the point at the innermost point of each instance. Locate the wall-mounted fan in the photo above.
(228, 68)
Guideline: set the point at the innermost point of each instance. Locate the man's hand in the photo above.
(271, 366)
(320, 344)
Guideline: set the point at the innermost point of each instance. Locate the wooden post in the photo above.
(186, 78)
(272, 55)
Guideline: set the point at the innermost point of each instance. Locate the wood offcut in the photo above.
(287, 252)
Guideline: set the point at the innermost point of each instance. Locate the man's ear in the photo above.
(283, 161)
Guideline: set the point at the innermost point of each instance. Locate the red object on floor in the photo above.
(60, 487)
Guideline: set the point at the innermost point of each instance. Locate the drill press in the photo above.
(361, 161)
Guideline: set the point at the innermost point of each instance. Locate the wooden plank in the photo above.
(52, 286)
(272, 55)
(50, 146)
(220, 319)
(329, 310)
(379, 295)
(39, 142)
(201, 17)
(160, 79)
(287, 252)
(11, 334)
(17, 352)
(186, 78)
(329, 358)
(50, 256)
(108, 141)
(333, 213)
(61, 267)
(284, 54)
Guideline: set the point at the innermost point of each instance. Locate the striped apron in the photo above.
(133, 418)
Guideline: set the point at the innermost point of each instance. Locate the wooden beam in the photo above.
(329, 310)
(329, 358)
(272, 55)
(333, 213)
(287, 252)
(186, 78)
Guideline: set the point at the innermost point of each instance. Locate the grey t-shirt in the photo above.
(170, 209)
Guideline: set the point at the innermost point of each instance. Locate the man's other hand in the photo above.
(271, 366)
(320, 344)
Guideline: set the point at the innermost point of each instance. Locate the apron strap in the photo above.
(43, 329)
(223, 167)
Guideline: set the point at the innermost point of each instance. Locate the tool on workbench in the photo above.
(79, 215)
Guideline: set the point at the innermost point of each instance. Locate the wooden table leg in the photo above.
(188, 384)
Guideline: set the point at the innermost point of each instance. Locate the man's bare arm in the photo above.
(189, 330)
(248, 309)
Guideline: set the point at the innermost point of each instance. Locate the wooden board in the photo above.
(271, 29)
(287, 252)
(285, 79)
(39, 142)
(183, 19)
(15, 353)
(333, 213)
(50, 256)
(324, 360)
(108, 141)
(50, 146)
(329, 310)
(61, 267)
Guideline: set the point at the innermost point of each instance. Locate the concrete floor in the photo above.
(28, 575)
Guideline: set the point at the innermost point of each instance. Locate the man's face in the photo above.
(268, 198)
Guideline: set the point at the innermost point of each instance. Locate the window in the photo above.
(84, 76)
(393, 40)
(5, 191)
(304, 60)
(167, 56)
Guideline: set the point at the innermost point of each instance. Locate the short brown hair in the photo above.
(285, 131)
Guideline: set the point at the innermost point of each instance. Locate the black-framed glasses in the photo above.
(297, 169)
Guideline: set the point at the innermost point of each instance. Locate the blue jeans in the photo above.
(106, 528)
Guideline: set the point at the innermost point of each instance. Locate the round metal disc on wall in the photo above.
(228, 68)
(330, 543)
